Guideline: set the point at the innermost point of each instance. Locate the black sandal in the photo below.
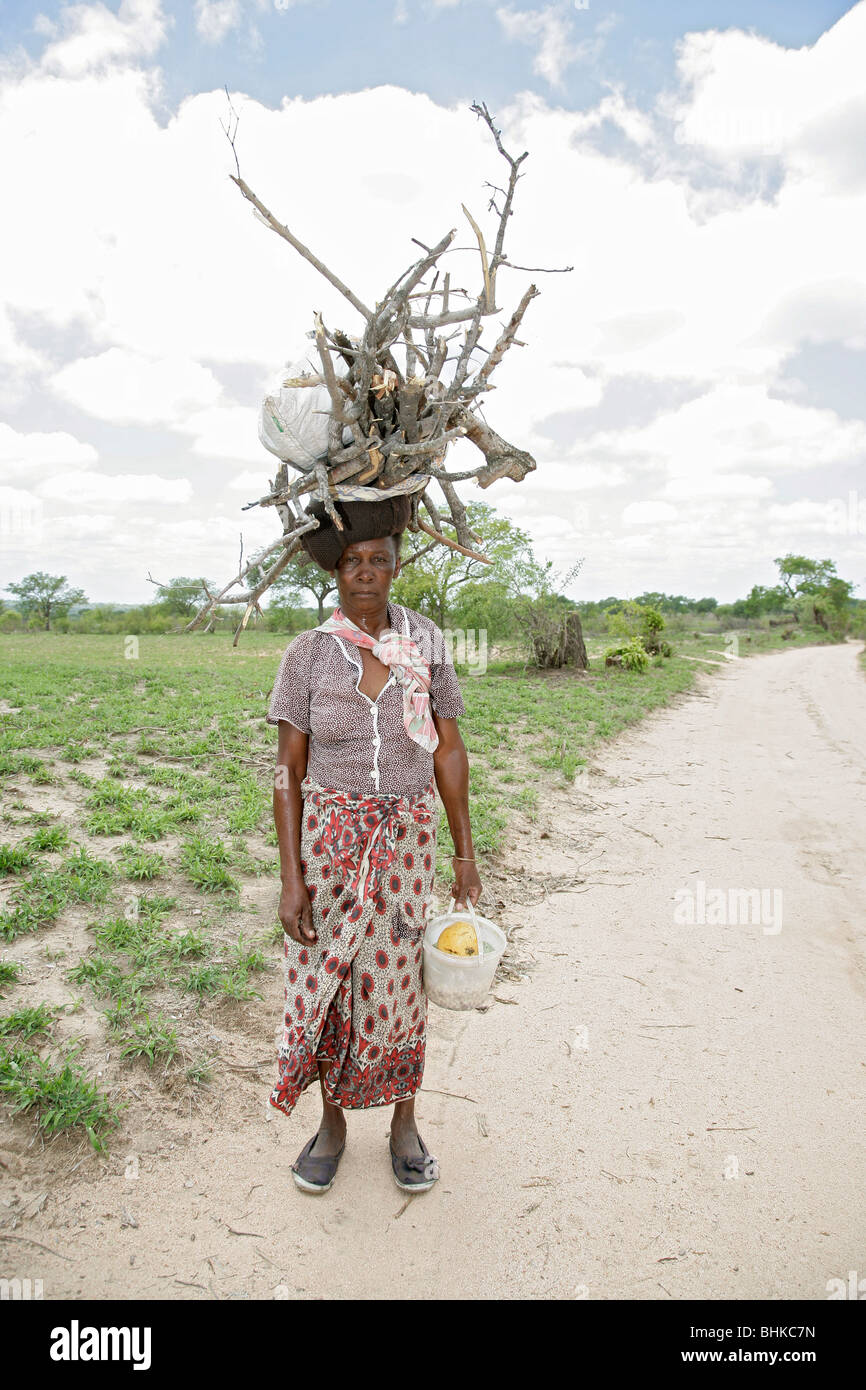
(315, 1174)
(414, 1174)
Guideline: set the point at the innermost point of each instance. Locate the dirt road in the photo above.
(671, 1105)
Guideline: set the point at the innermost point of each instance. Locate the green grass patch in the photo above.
(138, 865)
(54, 837)
(56, 1091)
(10, 972)
(100, 972)
(188, 945)
(153, 1039)
(38, 1018)
(40, 898)
(14, 859)
(204, 862)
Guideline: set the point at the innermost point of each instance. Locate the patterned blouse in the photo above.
(358, 744)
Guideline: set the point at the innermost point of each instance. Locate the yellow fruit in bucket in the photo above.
(459, 939)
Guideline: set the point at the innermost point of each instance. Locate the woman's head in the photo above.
(365, 571)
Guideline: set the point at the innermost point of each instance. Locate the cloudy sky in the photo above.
(693, 391)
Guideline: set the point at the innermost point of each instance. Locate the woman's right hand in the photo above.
(295, 912)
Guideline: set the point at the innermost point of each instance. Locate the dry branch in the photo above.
(445, 540)
(298, 245)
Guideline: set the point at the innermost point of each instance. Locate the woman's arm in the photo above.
(294, 909)
(451, 767)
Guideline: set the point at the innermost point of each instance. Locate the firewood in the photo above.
(403, 407)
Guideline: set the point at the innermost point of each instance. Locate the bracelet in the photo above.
(464, 857)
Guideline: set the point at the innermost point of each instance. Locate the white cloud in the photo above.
(581, 477)
(721, 485)
(629, 332)
(742, 95)
(833, 310)
(228, 432)
(89, 37)
(633, 122)
(216, 18)
(35, 454)
(737, 431)
(834, 517)
(107, 490)
(248, 482)
(550, 31)
(648, 513)
(742, 429)
(128, 388)
(91, 526)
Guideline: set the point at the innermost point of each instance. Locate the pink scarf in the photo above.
(410, 670)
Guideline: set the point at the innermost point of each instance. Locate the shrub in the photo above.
(631, 656)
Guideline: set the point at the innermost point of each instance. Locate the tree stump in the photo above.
(557, 640)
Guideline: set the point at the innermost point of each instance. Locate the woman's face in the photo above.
(364, 573)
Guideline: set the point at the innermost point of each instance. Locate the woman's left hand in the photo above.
(466, 883)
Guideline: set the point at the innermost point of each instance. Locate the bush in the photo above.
(640, 628)
(631, 656)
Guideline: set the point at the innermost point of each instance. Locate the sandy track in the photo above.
(669, 1109)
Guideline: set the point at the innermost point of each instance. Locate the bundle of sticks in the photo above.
(405, 395)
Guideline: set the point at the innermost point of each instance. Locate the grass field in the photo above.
(138, 859)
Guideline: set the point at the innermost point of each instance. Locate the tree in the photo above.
(665, 603)
(182, 596)
(302, 576)
(831, 607)
(45, 596)
(433, 576)
(817, 589)
(799, 575)
(763, 600)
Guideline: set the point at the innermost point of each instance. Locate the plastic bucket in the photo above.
(461, 982)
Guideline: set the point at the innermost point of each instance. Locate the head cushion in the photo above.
(362, 521)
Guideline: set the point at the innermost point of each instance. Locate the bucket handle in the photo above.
(475, 925)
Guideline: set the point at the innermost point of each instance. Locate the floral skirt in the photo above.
(354, 998)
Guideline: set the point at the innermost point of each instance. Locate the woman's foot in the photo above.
(414, 1168)
(315, 1167)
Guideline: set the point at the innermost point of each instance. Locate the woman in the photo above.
(367, 707)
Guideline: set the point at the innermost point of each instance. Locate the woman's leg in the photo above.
(332, 1128)
(404, 1130)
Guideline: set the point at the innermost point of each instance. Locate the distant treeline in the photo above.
(500, 620)
(514, 597)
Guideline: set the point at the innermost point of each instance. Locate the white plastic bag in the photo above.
(293, 420)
